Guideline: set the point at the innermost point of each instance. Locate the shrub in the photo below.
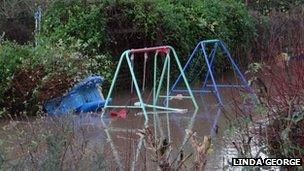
(272, 125)
(285, 105)
(75, 20)
(278, 33)
(16, 20)
(266, 6)
(119, 25)
(30, 75)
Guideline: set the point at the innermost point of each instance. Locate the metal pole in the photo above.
(211, 74)
(184, 77)
(137, 89)
(211, 63)
(113, 82)
(37, 17)
(235, 67)
(167, 102)
(132, 64)
(155, 119)
(184, 69)
(161, 78)
(158, 92)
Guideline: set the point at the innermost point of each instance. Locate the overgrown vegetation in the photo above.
(266, 6)
(279, 33)
(69, 143)
(31, 75)
(62, 144)
(117, 25)
(161, 151)
(272, 124)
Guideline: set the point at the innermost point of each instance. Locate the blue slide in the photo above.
(86, 96)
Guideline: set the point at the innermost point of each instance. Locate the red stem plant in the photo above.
(272, 120)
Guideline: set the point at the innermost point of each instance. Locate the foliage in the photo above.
(278, 33)
(30, 75)
(114, 26)
(227, 20)
(266, 6)
(16, 19)
(75, 20)
(272, 124)
(77, 143)
(284, 101)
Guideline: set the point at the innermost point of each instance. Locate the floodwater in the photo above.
(126, 146)
(207, 120)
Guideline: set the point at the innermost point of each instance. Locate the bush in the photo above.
(227, 20)
(284, 102)
(266, 6)
(74, 20)
(272, 124)
(30, 75)
(278, 33)
(119, 25)
(16, 20)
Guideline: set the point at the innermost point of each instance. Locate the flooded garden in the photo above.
(151, 85)
(86, 140)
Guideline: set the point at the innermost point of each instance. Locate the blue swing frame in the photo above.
(209, 59)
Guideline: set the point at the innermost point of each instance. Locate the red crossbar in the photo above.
(164, 49)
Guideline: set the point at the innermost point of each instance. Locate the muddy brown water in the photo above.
(207, 120)
(121, 138)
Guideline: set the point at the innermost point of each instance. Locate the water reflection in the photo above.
(127, 149)
(171, 126)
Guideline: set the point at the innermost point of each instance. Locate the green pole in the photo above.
(114, 150)
(136, 87)
(139, 145)
(184, 77)
(167, 101)
(158, 92)
(161, 78)
(113, 83)
(155, 119)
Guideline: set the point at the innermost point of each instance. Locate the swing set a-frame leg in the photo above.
(212, 55)
(211, 75)
(125, 56)
(113, 83)
(137, 88)
(184, 69)
(235, 67)
(184, 78)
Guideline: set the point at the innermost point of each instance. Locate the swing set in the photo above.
(209, 59)
(160, 52)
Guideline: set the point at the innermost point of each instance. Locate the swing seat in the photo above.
(83, 97)
(178, 97)
(120, 114)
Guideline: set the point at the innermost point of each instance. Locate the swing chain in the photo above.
(144, 72)
(132, 63)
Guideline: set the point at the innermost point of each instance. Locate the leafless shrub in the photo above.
(161, 152)
(49, 143)
(278, 33)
